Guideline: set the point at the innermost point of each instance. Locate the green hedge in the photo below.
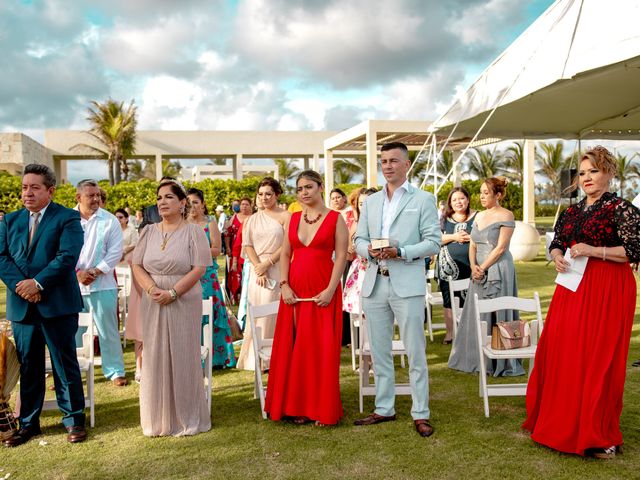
(136, 194)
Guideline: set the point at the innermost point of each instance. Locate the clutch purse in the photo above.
(510, 335)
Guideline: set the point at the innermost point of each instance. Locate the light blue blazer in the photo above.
(416, 229)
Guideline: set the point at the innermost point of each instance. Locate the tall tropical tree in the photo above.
(551, 161)
(485, 163)
(113, 126)
(286, 171)
(627, 169)
(140, 170)
(514, 161)
(347, 168)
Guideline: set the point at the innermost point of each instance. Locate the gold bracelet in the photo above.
(150, 288)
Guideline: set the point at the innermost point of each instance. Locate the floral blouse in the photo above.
(609, 222)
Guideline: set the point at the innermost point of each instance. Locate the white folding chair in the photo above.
(206, 350)
(365, 387)
(354, 325)
(431, 299)
(86, 363)
(484, 343)
(456, 311)
(125, 280)
(261, 347)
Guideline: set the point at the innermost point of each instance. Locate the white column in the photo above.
(158, 166)
(237, 167)
(456, 177)
(315, 164)
(305, 163)
(371, 175)
(328, 174)
(528, 184)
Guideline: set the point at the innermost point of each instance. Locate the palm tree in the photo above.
(485, 163)
(346, 168)
(514, 162)
(114, 128)
(147, 170)
(286, 171)
(551, 161)
(627, 169)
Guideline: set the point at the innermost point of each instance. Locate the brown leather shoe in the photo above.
(76, 434)
(21, 436)
(120, 381)
(423, 427)
(373, 419)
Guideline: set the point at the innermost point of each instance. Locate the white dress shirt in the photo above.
(389, 208)
(102, 249)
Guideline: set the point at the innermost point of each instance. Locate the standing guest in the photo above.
(39, 248)
(129, 235)
(574, 395)
(103, 198)
(234, 248)
(2, 214)
(493, 274)
(395, 283)
(352, 292)
(101, 252)
(223, 354)
(339, 203)
(305, 361)
(262, 238)
(222, 220)
(136, 220)
(453, 259)
(168, 262)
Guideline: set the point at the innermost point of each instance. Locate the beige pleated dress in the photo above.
(172, 397)
(265, 235)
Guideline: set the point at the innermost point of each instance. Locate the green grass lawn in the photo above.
(242, 445)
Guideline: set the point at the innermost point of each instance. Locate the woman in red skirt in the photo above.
(574, 397)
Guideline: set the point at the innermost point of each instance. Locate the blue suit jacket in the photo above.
(415, 228)
(50, 259)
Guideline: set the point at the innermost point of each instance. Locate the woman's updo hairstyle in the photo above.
(497, 185)
(602, 159)
(179, 191)
(310, 175)
(271, 182)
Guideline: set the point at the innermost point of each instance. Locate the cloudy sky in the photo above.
(247, 64)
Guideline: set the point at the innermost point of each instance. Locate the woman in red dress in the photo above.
(574, 397)
(234, 245)
(305, 360)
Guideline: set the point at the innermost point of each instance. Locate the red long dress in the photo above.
(235, 278)
(305, 359)
(574, 396)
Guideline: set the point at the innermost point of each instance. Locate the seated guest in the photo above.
(305, 361)
(168, 262)
(574, 395)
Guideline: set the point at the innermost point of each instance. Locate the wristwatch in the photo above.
(398, 252)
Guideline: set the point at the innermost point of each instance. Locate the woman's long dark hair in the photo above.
(448, 209)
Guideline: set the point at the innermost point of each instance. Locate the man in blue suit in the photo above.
(395, 283)
(39, 248)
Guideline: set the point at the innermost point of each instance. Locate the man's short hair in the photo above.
(48, 177)
(87, 182)
(393, 145)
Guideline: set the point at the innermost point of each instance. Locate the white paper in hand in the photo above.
(571, 279)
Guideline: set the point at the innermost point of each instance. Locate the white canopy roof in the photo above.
(574, 73)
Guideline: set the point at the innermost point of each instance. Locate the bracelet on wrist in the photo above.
(173, 293)
(150, 289)
(283, 282)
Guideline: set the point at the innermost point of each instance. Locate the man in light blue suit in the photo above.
(395, 283)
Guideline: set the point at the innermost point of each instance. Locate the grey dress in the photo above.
(499, 281)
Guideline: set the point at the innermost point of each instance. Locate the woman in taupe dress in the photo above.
(168, 262)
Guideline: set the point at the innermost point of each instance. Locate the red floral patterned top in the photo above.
(609, 222)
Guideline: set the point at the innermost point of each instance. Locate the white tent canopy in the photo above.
(574, 73)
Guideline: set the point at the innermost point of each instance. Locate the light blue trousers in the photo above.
(380, 309)
(105, 317)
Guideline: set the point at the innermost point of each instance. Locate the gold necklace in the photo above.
(166, 236)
